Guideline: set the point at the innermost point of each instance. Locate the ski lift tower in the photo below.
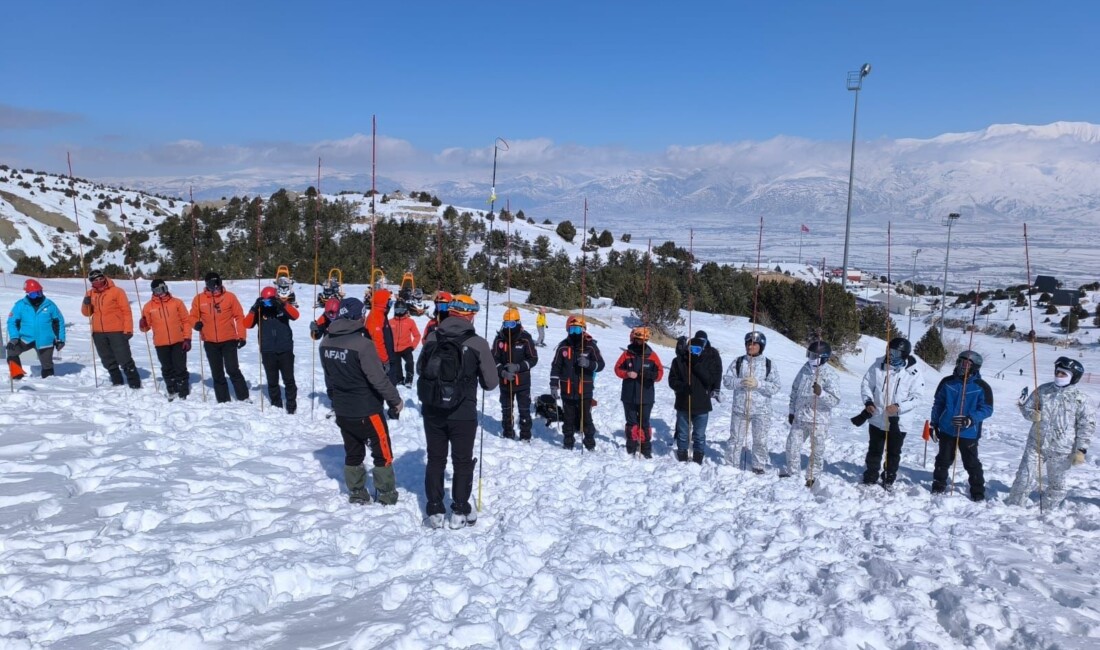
(855, 84)
(948, 221)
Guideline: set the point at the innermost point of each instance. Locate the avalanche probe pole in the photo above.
(83, 270)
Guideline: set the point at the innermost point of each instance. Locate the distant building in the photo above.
(1065, 297)
(1046, 283)
(898, 304)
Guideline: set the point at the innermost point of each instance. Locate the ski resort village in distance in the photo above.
(346, 326)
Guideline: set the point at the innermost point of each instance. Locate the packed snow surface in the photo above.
(130, 521)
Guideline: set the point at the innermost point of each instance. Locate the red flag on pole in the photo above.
(804, 228)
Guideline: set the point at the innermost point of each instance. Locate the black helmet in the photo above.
(95, 275)
(819, 350)
(400, 308)
(213, 281)
(159, 287)
(975, 360)
(757, 337)
(1072, 366)
(899, 351)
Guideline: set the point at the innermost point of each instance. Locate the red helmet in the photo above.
(267, 293)
(32, 285)
(332, 307)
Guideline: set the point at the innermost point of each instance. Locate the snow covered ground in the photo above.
(128, 521)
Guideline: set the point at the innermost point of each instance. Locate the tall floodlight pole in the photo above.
(948, 221)
(855, 83)
(913, 299)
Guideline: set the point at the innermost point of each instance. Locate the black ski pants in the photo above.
(173, 367)
(114, 351)
(275, 364)
(457, 436)
(17, 347)
(223, 359)
(968, 449)
(573, 412)
(407, 357)
(358, 433)
(520, 397)
(644, 436)
(893, 443)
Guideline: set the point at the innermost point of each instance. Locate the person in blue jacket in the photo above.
(957, 422)
(35, 323)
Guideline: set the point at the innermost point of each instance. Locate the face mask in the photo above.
(510, 324)
(818, 361)
(575, 330)
(34, 295)
(897, 359)
(1062, 381)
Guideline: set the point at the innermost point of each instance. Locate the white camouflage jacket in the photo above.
(768, 385)
(906, 389)
(1067, 418)
(802, 394)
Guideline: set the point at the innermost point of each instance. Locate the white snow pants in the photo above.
(738, 435)
(1055, 466)
(800, 433)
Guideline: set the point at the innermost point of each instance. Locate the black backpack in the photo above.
(767, 366)
(441, 382)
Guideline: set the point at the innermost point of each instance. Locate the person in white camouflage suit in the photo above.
(753, 379)
(814, 393)
(1063, 422)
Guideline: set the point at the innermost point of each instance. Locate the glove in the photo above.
(584, 362)
(197, 326)
(750, 383)
(87, 301)
(1078, 457)
(935, 434)
(258, 305)
(143, 324)
(555, 393)
(716, 395)
(512, 368)
(394, 411)
(386, 367)
(58, 345)
(240, 344)
(817, 389)
(507, 376)
(1035, 415)
(961, 421)
(314, 328)
(186, 345)
(790, 418)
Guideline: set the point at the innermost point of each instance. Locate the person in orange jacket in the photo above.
(112, 328)
(168, 319)
(378, 329)
(406, 336)
(219, 320)
(639, 368)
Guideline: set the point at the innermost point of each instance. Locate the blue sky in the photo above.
(140, 88)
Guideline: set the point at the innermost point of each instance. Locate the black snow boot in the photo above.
(132, 377)
(682, 456)
(697, 457)
(116, 377)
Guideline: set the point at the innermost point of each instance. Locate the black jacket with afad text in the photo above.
(356, 381)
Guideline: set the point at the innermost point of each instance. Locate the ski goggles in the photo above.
(575, 329)
(267, 302)
(34, 295)
(510, 324)
(160, 290)
(696, 349)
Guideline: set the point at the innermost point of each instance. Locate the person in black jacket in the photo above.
(358, 388)
(640, 368)
(695, 378)
(576, 360)
(273, 314)
(452, 362)
(515, 354)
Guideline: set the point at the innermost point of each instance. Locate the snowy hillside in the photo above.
(129, 521)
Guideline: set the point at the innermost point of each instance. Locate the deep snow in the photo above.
(128, 521)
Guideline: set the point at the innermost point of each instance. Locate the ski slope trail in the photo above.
(130, 521)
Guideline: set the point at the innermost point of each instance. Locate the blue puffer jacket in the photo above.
(978, 405)
(41, 324)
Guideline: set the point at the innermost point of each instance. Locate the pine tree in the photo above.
(930, 348)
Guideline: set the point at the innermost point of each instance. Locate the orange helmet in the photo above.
(267, 293)
(463, 304)
(576, 320)
(511, 314)
(639, 334)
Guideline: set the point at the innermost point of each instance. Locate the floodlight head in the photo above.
(865, 70)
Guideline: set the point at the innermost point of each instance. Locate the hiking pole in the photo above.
(688, 430)
(137, 294)
(498, 145)
(374, 192)
(83, 270)
(748, 394)
(886, 385)
(817, 378)
(646, 433)
(259, 315)
(584, 302)
(1036, 427)
(195, 277)
(966, 375)
(316, 271)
